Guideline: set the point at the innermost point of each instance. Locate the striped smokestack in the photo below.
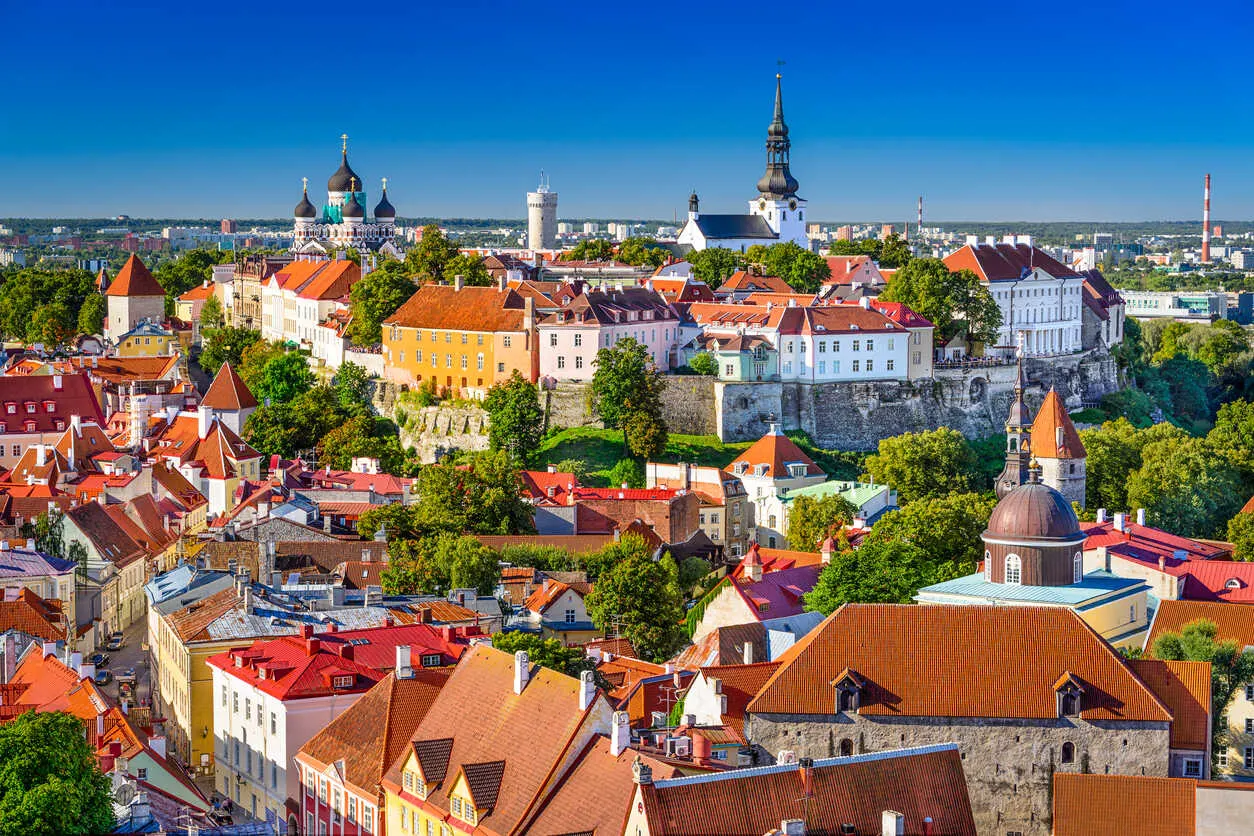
(1206, 222)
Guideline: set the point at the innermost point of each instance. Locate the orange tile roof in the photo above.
(198, 293)
(228, 391)
(1184, 687)
(745, 281)
(372, 733)
(776, 450)
(1100, 805)
(1011, 658)
(625, 672)
(135, 280)
(478, 309)
(741, 684)
(111, 540)
(926, 782)
(333, 281)
(191, 622)
(548, 592)
(24, 611)
(1235, 621)
(1045, 434)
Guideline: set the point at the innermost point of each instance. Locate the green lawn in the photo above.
(600, 450)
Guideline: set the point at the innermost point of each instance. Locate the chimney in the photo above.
(58, 381)
(826, 550)
(204, 417)
(263, 509)
(522, 671)
(1206, 222)
(587, 689)
(551, 468)
(86, 670)
(502, 282)
(248, 598)
(1101, 515)
(75, 661)
(49, 649)
(306, 630)
(30, 544)
(865, 302)
(425, 616)
(927, 826)
(312, 646)
(41, 455)
(404, 663)
(1162, 563)
(747, 653)
(1140, 516)
(459, 282)
(326, 523)
(893, 824)
(641, 774)
(346, 650)
(157, 744)
(792, 827)
(1121, 521)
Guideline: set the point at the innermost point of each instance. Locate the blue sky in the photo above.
(993, 111)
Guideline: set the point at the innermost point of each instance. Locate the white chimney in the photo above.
(459, 282)
(1121, 521)
(894, 824)
(748, 653)
(404, 668)
(1101, 515)
(75, 661)
(620, 733)
(76, 424)
(204, 417)
(587, 689)
(865, 302)
(792, 827)
(522, 671)
(41, 455)
(1140, 516)
(49, 648)
(157, 744)
(30, 544)
(86, 671)
(263, 510)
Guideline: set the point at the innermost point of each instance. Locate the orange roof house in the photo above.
(228, 391)
(1053, 434)
(134, 279)
(775, 456)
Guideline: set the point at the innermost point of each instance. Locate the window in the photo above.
(561, 362)
(367, 818)
(1249, 693)
(506, 341)
(448, 337)
(274, 775)
(1249, 726)
(352, 809)
(141, 774)
(988, 566)
(457, 806)
(1249, 757)
(869, 365)
(274, 723)
(1068, 752)
(500, 367)
(578, 340)
(1222, 760)
(1014, 569)
(465, 338)
(846, 747)
(578, 362)
(448, 361)
(235, 703)
(248, 712)
(856, 344)
(1192, 767)
(822, 346)
(822, 367)
(870, 345)
(430, 660)
(729, 370)
(889, 365)
(479, 362)
(409, 780)
(342, 681)
(570, 616)
(335, 804)
(553, 340)
(464, 362)
(856, 365)
(417, 357)
(1077, 575)
(1131, 613)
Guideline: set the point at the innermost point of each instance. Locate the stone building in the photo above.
(1057, 448)
(1025, 692)
(133, 297)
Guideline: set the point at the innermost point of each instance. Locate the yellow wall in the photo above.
(1239, 710)
(404, 346)
(160, 346)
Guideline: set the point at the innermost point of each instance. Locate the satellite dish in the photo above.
(125, 794)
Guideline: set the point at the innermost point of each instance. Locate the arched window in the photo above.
(846, 699)
(1014, 569)
(846, 747)
(1068, 752)
(1077, 567)
(988, 566)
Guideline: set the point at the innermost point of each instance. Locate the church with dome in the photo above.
(1034, 546)
(342, 221)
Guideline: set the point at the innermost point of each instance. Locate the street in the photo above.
(131, 655)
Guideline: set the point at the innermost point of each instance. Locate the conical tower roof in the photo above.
(1054, 436)
(228, 392)
(135, 280)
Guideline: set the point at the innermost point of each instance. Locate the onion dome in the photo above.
(384, 209)
(1033, 511)
(352, 209)
(305, 209)
(778, 183)
(344, 178)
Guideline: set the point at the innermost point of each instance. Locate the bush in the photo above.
(704, 364)
(627, 472)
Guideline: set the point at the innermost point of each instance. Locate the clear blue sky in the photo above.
(1065, 110)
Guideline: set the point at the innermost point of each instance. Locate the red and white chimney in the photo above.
(1206, 222)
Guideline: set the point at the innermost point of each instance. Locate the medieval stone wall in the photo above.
(435, 431)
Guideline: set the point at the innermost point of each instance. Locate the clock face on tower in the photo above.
(761, 205)
(792, 204)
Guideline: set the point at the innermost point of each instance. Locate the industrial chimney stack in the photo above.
(1206, 223)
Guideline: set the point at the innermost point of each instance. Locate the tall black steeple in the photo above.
(777, 183)
(1018, 441)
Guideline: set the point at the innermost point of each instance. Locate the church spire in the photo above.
(778, 183)
(1018, 439)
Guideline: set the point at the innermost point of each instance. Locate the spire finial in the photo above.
(385, 184)
(304, 181)
(344, 148)
(353, 183)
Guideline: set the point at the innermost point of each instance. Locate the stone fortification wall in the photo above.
(437, 430)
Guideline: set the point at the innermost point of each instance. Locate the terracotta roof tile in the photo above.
(228, 391)
(1184, 687)
(134, 279)
(110, 539)
(1053, 435)
(1235, 621)
(478, 309)
(1011, 658)
(69, 394)
(776, 451)
(742, 281)
(1005, 262)
(22, 610)
(741, 684)
(1099, 805)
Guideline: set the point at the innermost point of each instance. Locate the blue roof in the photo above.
(734, 226)
(1094, 585)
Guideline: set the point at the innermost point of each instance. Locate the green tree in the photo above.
(1114, 454)
(470, 267)
(625, 383)
(640, 251)
(894, 252)
(646, 433)
(805, 271)
(714, 265)
(285, 377)
(482, 497)
(211, 313)
(399, 521)
(50, 783)
(515, 418)
(464, 563)
(627, 472)
(363, 436)
(590, 249)
(50, 533)
(24, 291)
(924, 464)
(1231, 667)
(946, 529)
(429, 256)
(953, 301)
(811, 519)
(1241, 535)
(52, 324)
(225, 345)
(642, 595)
(1224, 342)
(374, 298)
(191, 269)
(703, 363)
(91, 316)
(411, 569)
(352, 388)
(886, 572)
(1185, 485)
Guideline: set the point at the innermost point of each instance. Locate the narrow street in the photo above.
(131, 655)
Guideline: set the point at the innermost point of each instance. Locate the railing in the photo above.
(974, 363)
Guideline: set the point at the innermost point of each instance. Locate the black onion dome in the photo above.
(342, 180)
(1034, 511)
(305, 209)
(352, 209)
(384, 209)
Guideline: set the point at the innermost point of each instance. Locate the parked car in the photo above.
(115, 643)
(103, 677)
(99, 659)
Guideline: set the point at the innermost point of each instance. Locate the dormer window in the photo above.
(342, 682)
(848, 687)
(30, 407)
(1231, 583)
(759, 470)
(10, 408)
(50, 406)
(796, 470)
(1070, 694)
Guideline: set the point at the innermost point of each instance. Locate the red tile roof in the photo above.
(375, 730)
(69, 395)
(1005, 262)
(775, 560)
(1235, 621)
(199, 293)
(776, 451)
(1012, 657)
(107, 536)
(549, 591)
(135, 280)
(921, 783)
(1184, 687)
(1145, 542)
(741, 683)
(1047, 440)
(741, 281)
(476, 309)
(548, 488)
(228, 391)
(902, 314)
(628, 494)
(1100, 805)
(22, 610)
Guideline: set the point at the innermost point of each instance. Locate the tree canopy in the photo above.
(952, 301)
(924, 464)
(375, 297)
(515, 418)
(225, 345)
(946, 528)
(1186, 487)
(885, 572)
(590, 249)
(643, 597)
(805, 271)
(640, 251)
(285, 377)
(431, 254)
(714, 265)
(481, 497)
(811, 519)
(626, 394)
(50, 783)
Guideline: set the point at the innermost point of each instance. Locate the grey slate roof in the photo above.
(734, 226)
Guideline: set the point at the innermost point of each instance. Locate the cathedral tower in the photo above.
(777, 199)
(1018, 433)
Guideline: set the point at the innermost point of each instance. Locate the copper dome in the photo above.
(1035, 512)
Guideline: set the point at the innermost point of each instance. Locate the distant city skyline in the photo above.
(1077, 112)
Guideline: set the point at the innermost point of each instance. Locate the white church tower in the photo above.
(777, 202)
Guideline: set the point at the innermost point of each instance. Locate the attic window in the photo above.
(30, 406)
(50, 406)
(342, 682)
(1233, 583)
(11, 408)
